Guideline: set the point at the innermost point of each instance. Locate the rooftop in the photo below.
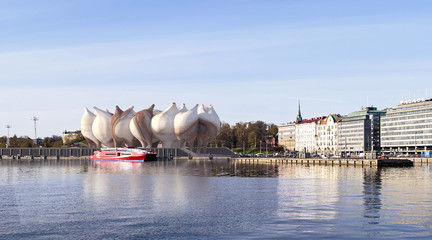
(336, 118)
(311, 120)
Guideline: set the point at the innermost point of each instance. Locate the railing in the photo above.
(83, 152)
(50, 152)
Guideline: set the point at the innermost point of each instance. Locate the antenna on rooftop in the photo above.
(34, 118)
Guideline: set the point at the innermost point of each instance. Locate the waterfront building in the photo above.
(407, 128)
(327, 131)
(286, 136)
(306, 133)
(359, 132)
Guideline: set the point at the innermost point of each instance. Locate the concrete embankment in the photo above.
(40, 158)
(339, 161)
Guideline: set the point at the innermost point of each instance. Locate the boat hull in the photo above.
(122, 155)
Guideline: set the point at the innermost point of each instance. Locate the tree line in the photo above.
(247, 137)
(47, 142)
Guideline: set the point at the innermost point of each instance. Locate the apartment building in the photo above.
(306, 135)
(327, 131)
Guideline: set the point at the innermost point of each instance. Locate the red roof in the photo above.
(336, 118)
(311, 120)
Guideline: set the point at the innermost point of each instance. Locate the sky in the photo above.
(251, 59)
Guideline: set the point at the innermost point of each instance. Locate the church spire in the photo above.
(299, 117)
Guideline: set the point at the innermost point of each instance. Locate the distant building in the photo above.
(286, 136)
(359, 132)
(407, 128)
(69, 136)
(327, 131)
(306, 133)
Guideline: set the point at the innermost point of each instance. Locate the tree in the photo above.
(22, 142)
(54, 141)
(241, 133)
(46, 142)
(259, 127)
(252, 139)
(273, 130)
(224, 139)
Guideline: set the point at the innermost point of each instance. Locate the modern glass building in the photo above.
(407, 128)
(359, 132)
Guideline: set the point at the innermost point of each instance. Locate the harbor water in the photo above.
(218, 199)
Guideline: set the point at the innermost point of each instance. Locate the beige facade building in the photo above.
(286, 136)
(69, 136)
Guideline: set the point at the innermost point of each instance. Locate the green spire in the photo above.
(299, 117)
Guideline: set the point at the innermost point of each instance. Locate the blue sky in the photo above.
(253, 60)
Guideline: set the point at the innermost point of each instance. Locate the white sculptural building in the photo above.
(173, 127)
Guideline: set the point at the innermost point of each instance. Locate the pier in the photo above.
(216, 153)
(338, 161)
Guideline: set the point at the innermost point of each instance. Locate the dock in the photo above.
(337, 161)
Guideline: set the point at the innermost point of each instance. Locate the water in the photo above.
(217, 199)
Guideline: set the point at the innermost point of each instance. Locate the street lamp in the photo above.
(8, 141)
(265, 139)
(34, 118)
(244, 136)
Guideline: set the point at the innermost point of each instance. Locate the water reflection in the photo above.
(207, 168)
(308, 193)
(372, 194)
(106, 179)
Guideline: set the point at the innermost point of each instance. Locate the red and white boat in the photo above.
(123, 154)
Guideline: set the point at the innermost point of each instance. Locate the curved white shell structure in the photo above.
(214, 118)
(172, 127)
(162, 126)
(208, 127)
(183, 108)
(120, 130)
(140, 127)
(86, 128)
(101, 127)
(186, 126)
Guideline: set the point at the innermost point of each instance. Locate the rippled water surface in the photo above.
(181, 199)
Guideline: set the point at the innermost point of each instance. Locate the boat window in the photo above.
(126, 154)
(109, 153)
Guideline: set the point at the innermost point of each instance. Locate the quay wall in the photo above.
(312, 161)
(86, 152)
(56, 153)
(337, 161)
